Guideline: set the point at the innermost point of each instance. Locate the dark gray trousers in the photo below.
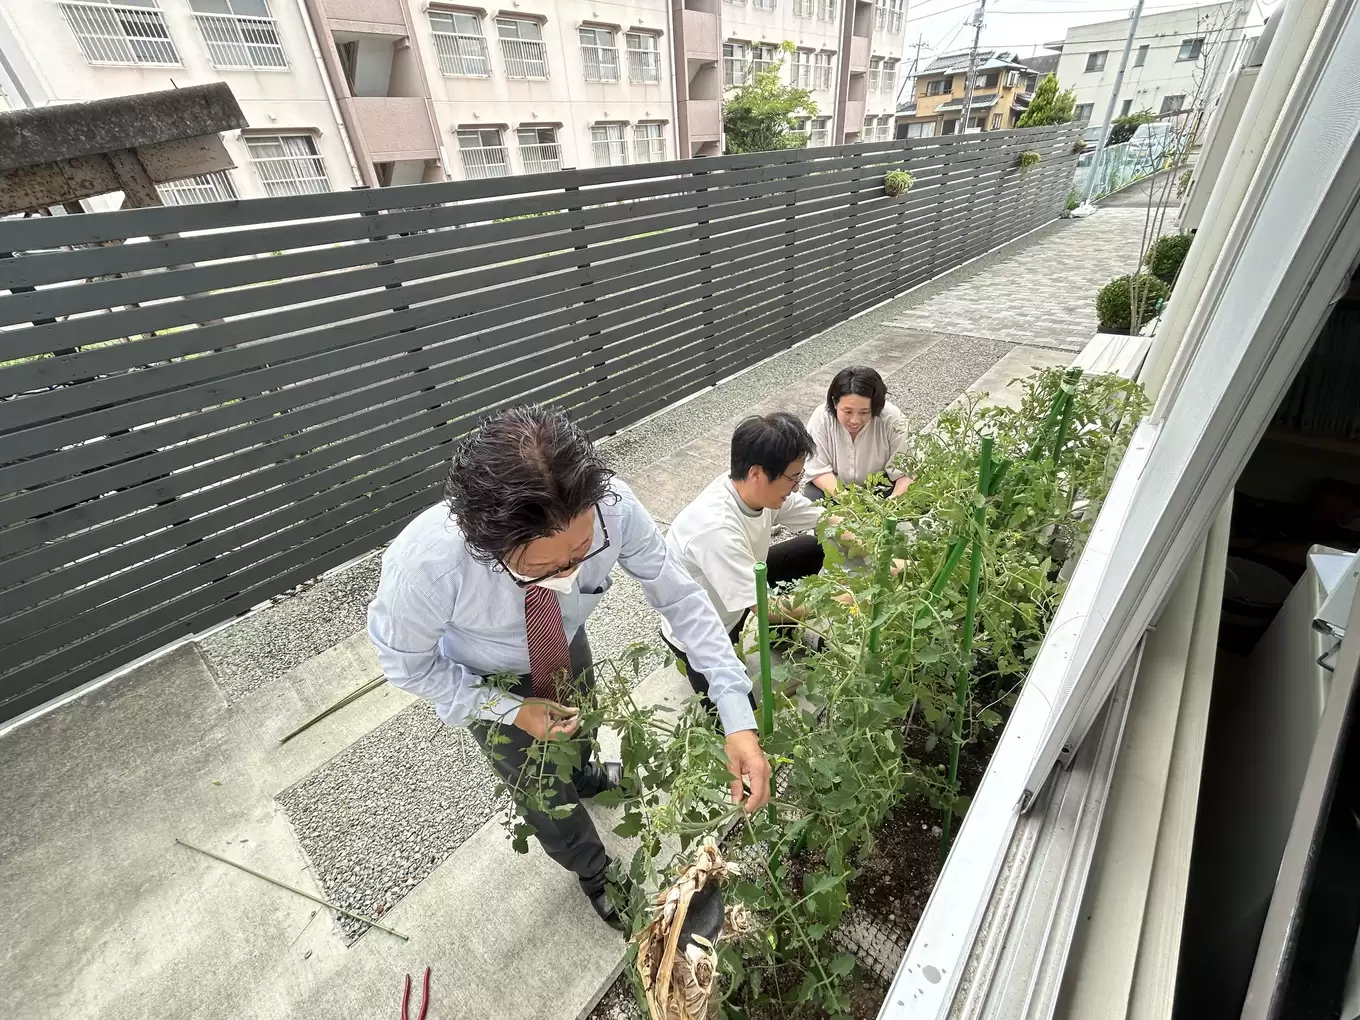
(571, 841)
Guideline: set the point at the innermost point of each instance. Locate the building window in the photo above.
(804, 8)
(1096, 61)
(239, 33)
(822, 66)
(1127, 108)
(826, 10)
(763, 57)
(522, 48)
(127, 32)
(889, 82)
(599, 58)
(607, 141)
(801, 74)
(869, 132)
(736, 64)
(896, 12)
(940, 86)
(926, 130)
(483, 153)
(460, 44)
(1140, 58)
(949, 127)
(987, 80)
(763, 5)
(1190, 49)
(821, 132)
(875, 72)
(1173, 104)
(1083, 111)
(1031, 82)
(880, 15)
(737, 3)
(649, 144)
(538, 149)
(996, 122)
(214, 187)
(644, 57)
(288, 164)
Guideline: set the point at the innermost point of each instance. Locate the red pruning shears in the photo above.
(424, 998)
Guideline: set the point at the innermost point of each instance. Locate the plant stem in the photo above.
(763, 639)
(882, 576)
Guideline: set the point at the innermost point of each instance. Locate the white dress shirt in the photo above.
(719, 540)
(854, 460)
(442, 620)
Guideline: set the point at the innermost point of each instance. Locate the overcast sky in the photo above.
(1021, 25)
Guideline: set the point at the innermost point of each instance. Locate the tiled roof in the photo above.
(979, 103)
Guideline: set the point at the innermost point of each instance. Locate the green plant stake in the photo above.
(763, 640)
(1069, 385)
(969, 621)
(882, 576)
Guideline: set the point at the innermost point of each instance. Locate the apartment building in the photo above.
(1179, 59)
(371, 93)
(1003, 86)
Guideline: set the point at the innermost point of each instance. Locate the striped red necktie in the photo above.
(549, 658)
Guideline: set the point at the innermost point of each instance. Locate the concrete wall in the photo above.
(1225, 28)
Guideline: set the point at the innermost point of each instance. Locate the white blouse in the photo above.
(854, 460)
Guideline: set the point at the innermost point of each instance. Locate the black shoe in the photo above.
(609, 914)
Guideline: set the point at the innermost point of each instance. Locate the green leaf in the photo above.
(841, 965)
(630, 826)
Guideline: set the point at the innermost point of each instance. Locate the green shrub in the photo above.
(1165, 256)
(1123, 127)
(1073, 199)
(897, 182)
(1117, 300)
(1029, 160)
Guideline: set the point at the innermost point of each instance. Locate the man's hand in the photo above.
(547, 720)
(746, 760)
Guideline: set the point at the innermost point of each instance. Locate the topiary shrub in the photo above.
(897, 182)
(1165, 256)
(1029, 160)
(1116, 301)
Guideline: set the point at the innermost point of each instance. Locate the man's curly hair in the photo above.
(524, 473)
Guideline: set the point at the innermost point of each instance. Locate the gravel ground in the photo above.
(933, 380)
(619, 1003)
(265, 646)
(385, 812)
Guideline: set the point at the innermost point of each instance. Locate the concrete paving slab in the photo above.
(1004, 382)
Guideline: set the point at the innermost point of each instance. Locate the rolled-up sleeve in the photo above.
(405, 623)
(688, 611)
(897, 433)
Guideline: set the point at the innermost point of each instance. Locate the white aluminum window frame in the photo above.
(649, 142)
(1290, 252)
(1179, 107)
(819, 132)
(461, 54)
(896, 16)
(608, 144)
(525, 57)
(804, 8)
(316, 182)
(880, 15)
(482, 161)
(644, 57)
(941, 86)
(888, 82)
(103, 31)
(764, 5)
(736, 64)
(875, 72)
(822, 66)
(800, 72)
(539, 156)
(1096, 60)
(599, 60)
(1191, 50)
(763, 57)
(213, 187)
(826, 10)
(226, 34)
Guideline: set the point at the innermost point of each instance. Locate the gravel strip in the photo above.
(624, 618)
(300, 624)
(933, 380)
(385, 812)
(619, 1003)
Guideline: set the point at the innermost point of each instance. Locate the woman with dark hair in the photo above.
(857, 434)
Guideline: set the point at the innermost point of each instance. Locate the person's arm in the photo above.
(405, 623)
(798, 513)
(826, 482)
(896, 422)
(695, 624)
(821, 466)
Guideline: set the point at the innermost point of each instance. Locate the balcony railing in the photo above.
(463, 55)
(540, 159)
(644, 66)
(486, 161)
(235, 41)
(524, 58)
(601, 63)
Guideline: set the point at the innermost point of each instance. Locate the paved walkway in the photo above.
(378, 807)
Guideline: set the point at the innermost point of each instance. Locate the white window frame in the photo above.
(1095, 61)
(1191, 49)
(599, 53)
(888, 83)
(1179, 107)
(941, 86)
(804, 8)
(105, 32)
(822, 65)
(800, 70)
(461, 54)
(1083, 111)
(305, 173)
(525, 57)
(608, 144)
(875, 72)
(214, 187)
(1140, 58)
(896, 16)
(482, 161)
(539, 156)
(649, 142)
(819, 128)
(826, 10)
(763, 57)
(764, 5)
(880, 15)
(736, 64)
(644, 57)
(226, 35)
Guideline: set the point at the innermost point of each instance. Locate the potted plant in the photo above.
(897, 183)
(1126, 302)
(1029, 160)
(1165, 256)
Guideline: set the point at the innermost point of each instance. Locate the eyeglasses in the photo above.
(798, 480)
(572, 565)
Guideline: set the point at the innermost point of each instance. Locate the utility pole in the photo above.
(915, 70)
(1109, 110)
(972, 65)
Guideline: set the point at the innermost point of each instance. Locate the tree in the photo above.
(1049, 106)
(1122, 129)
(759, 116)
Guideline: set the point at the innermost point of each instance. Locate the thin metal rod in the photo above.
(294, 889)
(353, 695)
(763, 640)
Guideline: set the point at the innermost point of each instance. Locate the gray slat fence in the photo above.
(203, 406)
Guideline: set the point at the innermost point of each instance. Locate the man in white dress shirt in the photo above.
(499, 579)
(726, 530)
